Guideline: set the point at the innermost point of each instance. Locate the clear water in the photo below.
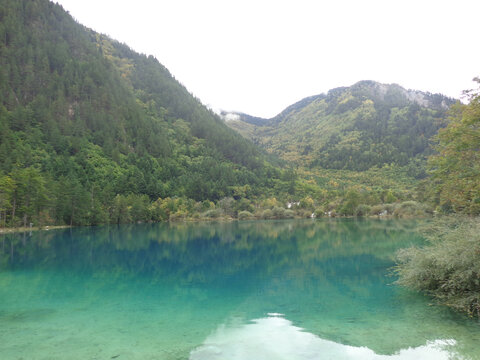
(243, 290)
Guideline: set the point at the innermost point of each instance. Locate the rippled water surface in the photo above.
(243, 290)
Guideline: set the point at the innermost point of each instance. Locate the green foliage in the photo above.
(456, 168)
(355, 128)
(245, 215)
(448, 268)
(212, 214)
(92, 132)
(7, 187)
(307, 203)
(267, 214)
(410, 209)
(382, 209)
(350, 203)
(363, 210)
(389, 197)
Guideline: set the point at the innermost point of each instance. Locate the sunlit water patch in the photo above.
(303, 289)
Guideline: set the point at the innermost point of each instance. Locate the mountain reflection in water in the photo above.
(158, 291)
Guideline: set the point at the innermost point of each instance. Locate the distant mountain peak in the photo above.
(395, 92)
(357, 127)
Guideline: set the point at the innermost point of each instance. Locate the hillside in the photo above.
(89, 128)
(354, 128)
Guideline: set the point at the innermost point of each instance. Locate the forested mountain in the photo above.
(355, 128)
(90, 129)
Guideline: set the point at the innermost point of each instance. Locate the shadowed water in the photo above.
(243, 290)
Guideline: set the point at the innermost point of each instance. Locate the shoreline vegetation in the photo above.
(447, 268)
(33, 228)
(20, 229)
(138, 209)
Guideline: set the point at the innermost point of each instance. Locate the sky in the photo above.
(260, 56)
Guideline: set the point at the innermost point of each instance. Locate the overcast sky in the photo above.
(259, 56)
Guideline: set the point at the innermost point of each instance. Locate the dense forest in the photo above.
(91, 130)
(353, 128)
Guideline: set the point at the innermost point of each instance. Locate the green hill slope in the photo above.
(352, 128)
(86, 122)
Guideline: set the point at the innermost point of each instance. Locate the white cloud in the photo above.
(231, 117)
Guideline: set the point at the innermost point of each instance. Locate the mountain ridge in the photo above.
(363, 116)
(101, 129)
(418, 96)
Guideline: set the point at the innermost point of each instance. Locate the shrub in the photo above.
(307, 203)
(382, 209)
(332, 213)
(448, 268)
(227, 205)
(212, 214)
(278, 212)
(350, 203)
(320, 211)
(177, 216)
(389, 197)
(305, 213)
(377, 210)
(390, 208)
(267, 214)
(244, 205)
(244, 215)
(410, 209)
(362, 210)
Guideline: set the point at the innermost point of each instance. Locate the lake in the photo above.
(296, 289)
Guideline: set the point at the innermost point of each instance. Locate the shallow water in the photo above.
(244, 290)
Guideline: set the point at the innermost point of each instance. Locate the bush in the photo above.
(267, 214)
(227, 205)
(278, 212)
(410, 209)
(382, 209)
(320, 211)
(389, 197)
(212, 214)
(305, 213)
(377, 210)
(448, 268)
(307, 203)
(332, 213)
(177, 216)
(245, 215)
(362, 210)
(350, 203)
(244, 205)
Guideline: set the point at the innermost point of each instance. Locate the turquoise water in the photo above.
(243, 290)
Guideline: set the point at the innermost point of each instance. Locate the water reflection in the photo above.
(274, 337)
(168, 286)
(147, 247)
